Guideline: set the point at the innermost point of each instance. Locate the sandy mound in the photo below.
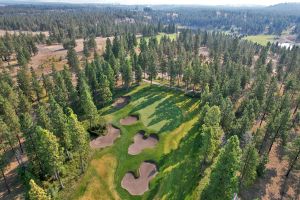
(106, 140)
(129, 120)
(138, 186)
(142, 142)
(121, 102)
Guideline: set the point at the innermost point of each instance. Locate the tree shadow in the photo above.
(185, 174)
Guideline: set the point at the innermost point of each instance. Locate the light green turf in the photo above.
(163, 111)
(172, 36)
(261, 39)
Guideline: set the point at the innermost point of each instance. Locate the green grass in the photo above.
(172, 36)
(165, 112)
(261, 39)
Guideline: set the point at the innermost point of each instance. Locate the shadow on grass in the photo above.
(185, 174)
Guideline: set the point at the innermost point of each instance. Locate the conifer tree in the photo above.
(36, 192)
(104, 91)
(127, 74)
(24, 81)
(73, 60)
(49, 152)
(3, 164)
(138, 74)
(224, 178)
(79, 139)
(87, 105)
(249, 164)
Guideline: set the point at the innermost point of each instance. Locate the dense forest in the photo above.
(79, 21)
(247, 96)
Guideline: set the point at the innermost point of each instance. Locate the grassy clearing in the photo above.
(261, 39)
(172, 36)
(165, 112)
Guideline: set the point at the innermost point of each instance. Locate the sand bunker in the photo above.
(142, 142)
(138, 186)
(129, 120)
(121, 102)
(106, 140)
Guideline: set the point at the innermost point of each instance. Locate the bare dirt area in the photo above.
(55, 54)
(129, 120)
(269, 187)
(106, 140)
(13, 180)
(121, 102)
(142, 142)
(139, 185)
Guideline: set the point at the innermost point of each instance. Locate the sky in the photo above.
(199, 2)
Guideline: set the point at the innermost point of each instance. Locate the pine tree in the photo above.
(211, 133)
(104, 91)
(43, 119)
(73, 60)
(127, 74)
(36, 192)
(87, 105)
(138, 74)
(49, 152)
(249, 164)
(224, 179)
(293, 156)
(3, 164)
(79, 139)
(24, 81)
(36, 85)
(59, 124)
(24, 105)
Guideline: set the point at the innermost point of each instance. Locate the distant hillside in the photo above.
(289, 7)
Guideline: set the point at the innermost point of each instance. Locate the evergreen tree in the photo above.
(80, 141)
(36, 192)
(3, 164)
(36, 85)
(224, 178)
(73, 60)
(87, 105)
(49, 153)
(249, 164)
(138, 74)
(43, 119)
(104, 91)
(127, 74)
(24, 81)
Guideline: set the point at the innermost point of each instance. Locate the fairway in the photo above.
(162, 111)
(261, 39)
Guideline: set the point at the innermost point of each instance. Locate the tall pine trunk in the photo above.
(19, 140)
(57, 176)
(5, 181)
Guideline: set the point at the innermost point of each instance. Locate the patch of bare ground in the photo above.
(106, 140)
(13, 180)
(54, 54)
(142, 142)
(269, 186)
(129, 120)
(139, 185)
(121, 102)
